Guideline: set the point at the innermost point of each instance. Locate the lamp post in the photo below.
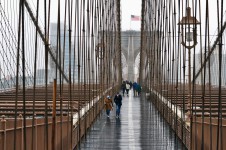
(189, 40)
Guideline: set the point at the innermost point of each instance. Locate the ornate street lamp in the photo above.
(189, 40)
(188, 30)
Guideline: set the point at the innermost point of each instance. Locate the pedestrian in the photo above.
(131, 84)
(138, 89)
(134, 88)
(123, 87)
(118, 103)
(108, 105)
(127, 88)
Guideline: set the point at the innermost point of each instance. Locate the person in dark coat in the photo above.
(123, 87)
(118, 103)
(138, 89)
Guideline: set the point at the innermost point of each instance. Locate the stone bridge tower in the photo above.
(130, 44)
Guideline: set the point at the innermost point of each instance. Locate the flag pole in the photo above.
(130, 24)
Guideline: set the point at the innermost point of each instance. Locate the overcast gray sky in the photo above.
(130, 7)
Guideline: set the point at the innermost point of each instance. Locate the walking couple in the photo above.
(109, 104)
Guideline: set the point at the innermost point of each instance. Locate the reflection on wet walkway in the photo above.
(140, 126)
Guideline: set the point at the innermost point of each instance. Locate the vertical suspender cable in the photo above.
(24, 78)
(61, 55)
(181, 97)
(204, 75)
(119, 38)
(209, 73)
(176, 61)
(84, 59)
(219, 122)
(101, 37)
(64, 39)
(164, 53)
(220, 85)
(159, 50)
(88, 47)
(75, 67)
(17, 76)
(79, 71)
(97, 79)
(171, 59)
(102, 28)
(184, 79)
(156, 47)
(109, 50)
(97, 37)
(91, 63)
(54, 115)
(34, 86)
(61, 63)
(70, 116)
(46, 137)
(168, 53)
(48, 17)
(107, 45)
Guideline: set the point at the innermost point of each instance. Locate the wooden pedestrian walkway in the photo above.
(140, 126)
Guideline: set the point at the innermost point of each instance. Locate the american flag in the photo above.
(135, 18)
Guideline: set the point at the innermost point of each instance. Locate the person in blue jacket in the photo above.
(134, 88)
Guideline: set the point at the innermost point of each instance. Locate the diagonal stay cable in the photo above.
(211, 51)
(45, 40)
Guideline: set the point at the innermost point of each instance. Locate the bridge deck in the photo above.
(140, 127)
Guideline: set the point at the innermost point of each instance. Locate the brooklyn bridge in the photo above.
(60, 60)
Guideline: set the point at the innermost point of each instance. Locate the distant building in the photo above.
(64, 43)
